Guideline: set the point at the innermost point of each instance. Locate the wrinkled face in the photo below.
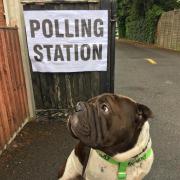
(107, 121)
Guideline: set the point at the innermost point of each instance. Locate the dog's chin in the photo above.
(78, 131)
(72, 132)
(75, 134)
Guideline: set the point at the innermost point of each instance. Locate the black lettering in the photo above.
(76, 53)
(58, 53)
(48, 51)
(97, 52)
(47, 28)
(37, 49)
(58, 34)
(68, 51)
(85, 56)
(35, 26)
(67, 29)
(86, 28)
(98, 29)
(76, 27)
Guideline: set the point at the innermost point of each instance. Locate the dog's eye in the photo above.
(105, 108)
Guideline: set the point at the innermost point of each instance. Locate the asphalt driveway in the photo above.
(152, 76)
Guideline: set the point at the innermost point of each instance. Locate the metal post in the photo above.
(108, 78)
(113, 29)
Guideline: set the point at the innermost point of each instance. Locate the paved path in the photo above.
(158, 86)
(37, 152)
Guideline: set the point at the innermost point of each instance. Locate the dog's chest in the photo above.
(98, 168)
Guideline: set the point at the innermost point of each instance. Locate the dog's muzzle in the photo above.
(77, 122)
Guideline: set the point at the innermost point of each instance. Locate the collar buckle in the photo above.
(122, 175)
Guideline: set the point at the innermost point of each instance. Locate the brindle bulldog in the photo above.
(114, 141)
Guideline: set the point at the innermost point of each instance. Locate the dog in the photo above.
(114, 140)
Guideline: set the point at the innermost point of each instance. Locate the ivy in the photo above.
(137, 19)
(151, 20)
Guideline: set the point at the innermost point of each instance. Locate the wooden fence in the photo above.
(2, 16)
(168, 31)
(13, 98)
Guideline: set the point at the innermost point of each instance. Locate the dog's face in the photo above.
(108, 122)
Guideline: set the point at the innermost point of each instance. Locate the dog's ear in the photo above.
(143, 113)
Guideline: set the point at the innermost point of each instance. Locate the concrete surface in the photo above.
(157, 86)
(37, 152)
(41, 147)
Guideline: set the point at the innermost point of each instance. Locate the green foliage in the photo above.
(151, 20)
(124, 7)
(168, 5)
(135, 29)
(122, 27)
(137, 19)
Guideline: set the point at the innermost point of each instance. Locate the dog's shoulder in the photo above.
(74, 165)
(82, 152)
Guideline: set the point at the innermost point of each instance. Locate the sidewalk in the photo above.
(37, 152)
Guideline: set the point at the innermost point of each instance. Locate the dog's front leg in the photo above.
(77, 178)
(72, 169)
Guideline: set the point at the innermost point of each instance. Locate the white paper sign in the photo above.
(66, 40)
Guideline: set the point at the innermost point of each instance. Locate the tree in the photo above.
(137, 19)
(168, 4)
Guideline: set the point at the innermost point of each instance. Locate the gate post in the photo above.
(110, 5)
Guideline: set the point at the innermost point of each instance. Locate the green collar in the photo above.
(122, 166)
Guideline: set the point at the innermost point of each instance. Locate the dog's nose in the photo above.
(79, 107)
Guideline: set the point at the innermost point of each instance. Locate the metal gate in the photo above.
(61, 91)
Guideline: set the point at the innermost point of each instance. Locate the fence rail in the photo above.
(168, 31)
(13, 97)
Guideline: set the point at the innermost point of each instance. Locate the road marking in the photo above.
(151, 61)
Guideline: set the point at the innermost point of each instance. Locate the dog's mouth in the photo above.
(71, 130)
(77, 127)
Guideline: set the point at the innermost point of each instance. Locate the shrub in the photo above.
(143, 28)
(137, 19)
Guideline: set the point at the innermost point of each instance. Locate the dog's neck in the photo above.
(143, 142)
(126, 151)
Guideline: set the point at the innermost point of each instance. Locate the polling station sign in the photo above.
(67, 40)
